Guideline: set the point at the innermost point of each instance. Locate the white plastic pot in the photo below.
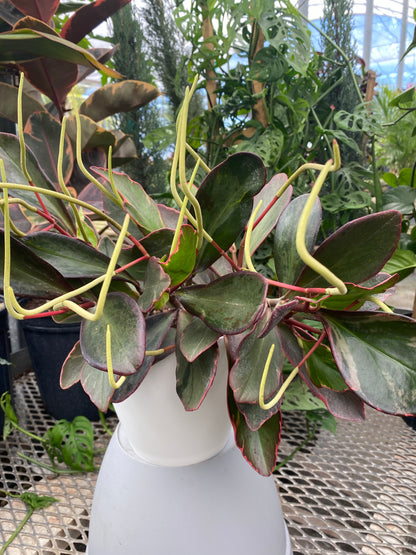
(173, 483)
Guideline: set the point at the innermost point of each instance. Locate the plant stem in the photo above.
(19, 528)
(53, 469)
(311, 435)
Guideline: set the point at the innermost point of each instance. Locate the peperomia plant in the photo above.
(166, 280)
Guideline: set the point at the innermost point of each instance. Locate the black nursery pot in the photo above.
(5, 372)
(49, 344)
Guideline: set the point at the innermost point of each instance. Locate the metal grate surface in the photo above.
(350, 493)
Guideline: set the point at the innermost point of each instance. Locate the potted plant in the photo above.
(187, 339)
(34, 40)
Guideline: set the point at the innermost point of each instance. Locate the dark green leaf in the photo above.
(196, 338)
(10, 154)
(357, 295)
(128, 340)
(157, 326)
(95, 382)
(226, 200)
(27, 44)
(287, 261)
(156, 281)
(403, 98)
(350, 253)
(259, 447)
(71, 257)
(376, 355)
(322, 368)
(247, 371)
(229, 304)
(30, 275)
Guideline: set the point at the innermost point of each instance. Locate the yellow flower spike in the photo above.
(196, 156)
(110, 174)
(114, 384)
(280, 393)
(61, 180)
(339, 287)
(83, 169)
(247, 252)
(20, 128)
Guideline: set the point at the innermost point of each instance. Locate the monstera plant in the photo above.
(54, 63)
(163, 280)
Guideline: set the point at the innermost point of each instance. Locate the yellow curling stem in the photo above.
(114, 384)
(280, 393)
(63, 300)
(20, 128)
(247, 252)
(62, 196)
(339, 287)
(61, 180)
(110, 174)
(83, 169)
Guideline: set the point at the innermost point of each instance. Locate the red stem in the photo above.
(313, 290)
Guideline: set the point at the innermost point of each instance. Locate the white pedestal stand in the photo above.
(173, 483)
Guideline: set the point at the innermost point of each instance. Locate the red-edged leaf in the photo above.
(41, 9)
(128, 337)
(258, 447)
(342, 404)
(157, 326)
(84, 20)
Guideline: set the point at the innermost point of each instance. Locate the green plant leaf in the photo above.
(322, 368)
(230, 304)
(357, 295)
(95, 382)
(401, 198)
(157, 326)
(350, 255)
(124, 96)
(288, 263)
(156, 281)
(376, 355)
(299, 397)
(258, 447)
(247, 370)
(71, 257)
(403, 98)
(42, 133)
(403, 262)
(9, 414)
(30, 275)
(182, 261)
(71, 443)
(226, 200)
(196, 338)
(128, 339)
(10, 154)
(139, 204)
(35, 501)
(342, 404)
(266, 195)
(8, 103)
(193, 379)
(23, 45)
